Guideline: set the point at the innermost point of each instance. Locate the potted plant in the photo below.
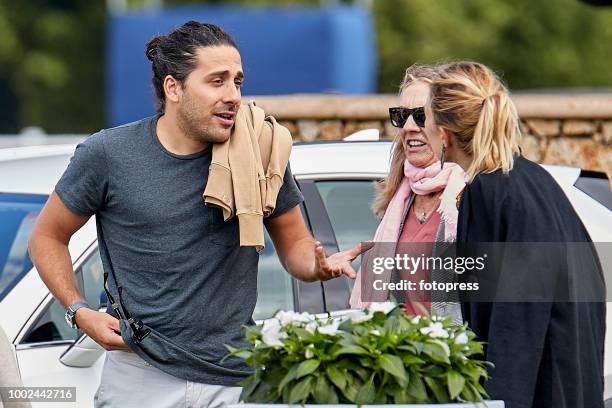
(379, 355)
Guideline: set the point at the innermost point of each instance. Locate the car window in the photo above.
(51, 325)
(18, 214)
(93, 281)
(274, 287)
(348, 204)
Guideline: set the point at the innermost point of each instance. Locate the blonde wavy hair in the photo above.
(385, 190)
(470, 101)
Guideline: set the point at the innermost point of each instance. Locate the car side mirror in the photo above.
(84, 352)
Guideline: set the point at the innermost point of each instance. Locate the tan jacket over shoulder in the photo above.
(246, 172)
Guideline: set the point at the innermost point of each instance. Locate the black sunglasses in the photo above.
(399, 115)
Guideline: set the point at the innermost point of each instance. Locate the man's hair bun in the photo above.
(152, 47)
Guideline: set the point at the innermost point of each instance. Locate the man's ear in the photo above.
(172, 89)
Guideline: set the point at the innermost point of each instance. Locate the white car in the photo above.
(336, 179)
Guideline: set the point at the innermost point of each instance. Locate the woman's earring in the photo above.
(442, 156)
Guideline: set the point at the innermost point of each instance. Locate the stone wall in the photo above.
(565, 129)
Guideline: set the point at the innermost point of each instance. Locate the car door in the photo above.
(48, 336)
(339, 213)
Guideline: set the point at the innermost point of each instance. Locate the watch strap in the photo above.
(72, 309)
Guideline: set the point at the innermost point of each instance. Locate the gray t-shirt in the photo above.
(181, 267)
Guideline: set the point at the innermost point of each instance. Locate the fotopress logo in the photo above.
(406, 266)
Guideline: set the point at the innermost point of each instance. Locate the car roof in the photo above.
(33, 170)
(37, 169)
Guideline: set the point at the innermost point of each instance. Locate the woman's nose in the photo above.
(410, 125)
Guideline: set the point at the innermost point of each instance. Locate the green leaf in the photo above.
(336, 376)
(275, 374)
(248, 388)
(346, 326)
(416, 389)
(360, 371)
(244, 354)
(323, 391)
(381, 396)
(456, 382)
(285, 395)
(351, 349)
(433, 370)
(412, 360)
(367, 393)
(408, 347)
(352, 388)
(253, 332)
(233, 351)
(418, 346)
(469, 393)
(307, 367)
(300, 390)
(401, 396)
(438, 390)
(436, 352)
(302, 333)
(230, 348)
(357, 368)
(290, 376)
(394, 366)
(364, 362)
(264, 393)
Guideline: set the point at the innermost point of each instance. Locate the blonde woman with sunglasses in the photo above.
(417, 204)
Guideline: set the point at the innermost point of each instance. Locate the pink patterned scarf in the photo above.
(419, 181)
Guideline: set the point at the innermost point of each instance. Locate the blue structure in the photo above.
(284, 51)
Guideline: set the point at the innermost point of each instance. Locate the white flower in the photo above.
(444, 346)
(359, 316)
(435, 330)
(291, 317)
(375, 332)
(416, 319)
(384, 307)
(311, 327)
(271, 333)
(330, 329)
(461, 338)
(309, 353)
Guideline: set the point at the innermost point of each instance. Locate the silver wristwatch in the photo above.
(71, 313)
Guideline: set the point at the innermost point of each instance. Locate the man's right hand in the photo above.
(101, 327)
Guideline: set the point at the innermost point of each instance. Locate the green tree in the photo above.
(51, 54)
(52, 51)
(532, 44)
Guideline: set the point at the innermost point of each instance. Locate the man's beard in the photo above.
(198, 126)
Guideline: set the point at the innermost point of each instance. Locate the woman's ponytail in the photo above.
(471, 102)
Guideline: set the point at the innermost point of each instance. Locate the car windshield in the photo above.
(18, 214)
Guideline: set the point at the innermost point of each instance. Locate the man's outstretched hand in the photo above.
(329, 267)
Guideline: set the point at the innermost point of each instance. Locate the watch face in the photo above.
(69, 315)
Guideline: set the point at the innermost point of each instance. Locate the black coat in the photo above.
(546, 354)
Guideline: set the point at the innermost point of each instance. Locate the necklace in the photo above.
(423, 216)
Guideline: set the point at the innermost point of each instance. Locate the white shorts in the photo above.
(129, 381)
